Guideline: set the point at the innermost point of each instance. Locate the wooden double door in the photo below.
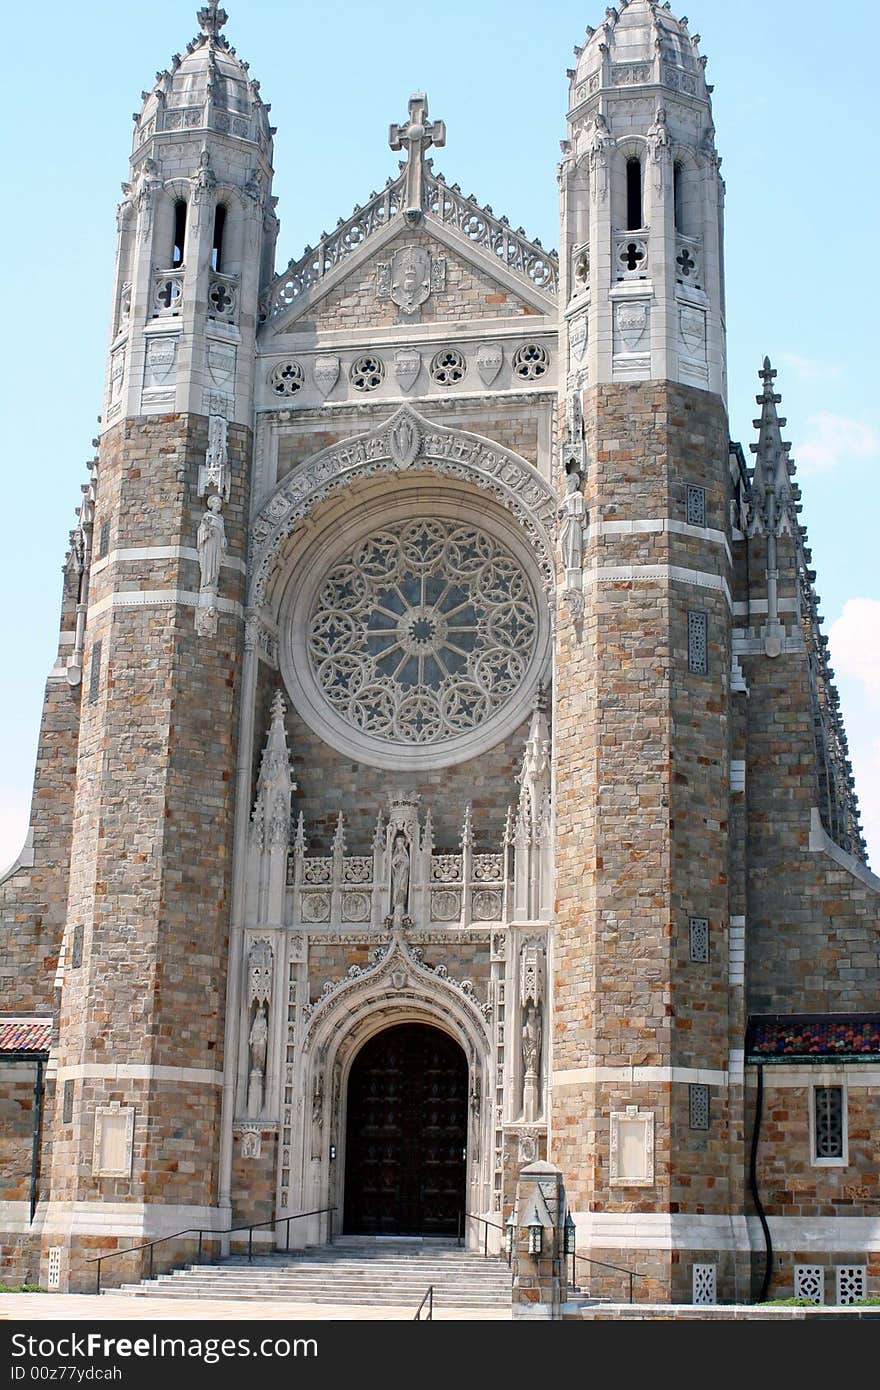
(406, 1138)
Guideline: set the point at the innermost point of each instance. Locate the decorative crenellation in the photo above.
(404, 882)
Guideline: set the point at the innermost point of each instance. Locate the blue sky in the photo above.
(794, 114)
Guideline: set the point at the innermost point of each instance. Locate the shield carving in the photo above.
(410, 278)
(407, 365)
(161, 356)
(489, 359)
(221, 363)
(577, 339)
(632, 320)
(404, 441)
(326, 373)
(693, 331)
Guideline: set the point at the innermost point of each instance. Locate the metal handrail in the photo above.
(464, 1216)
(429, 1299)
(631, 1274)
(201, 1231)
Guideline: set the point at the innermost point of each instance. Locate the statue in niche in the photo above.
(532, 1030)
(400, 872)
(572, 515)
(258, 1045)
(531, 1039)
(211, 543)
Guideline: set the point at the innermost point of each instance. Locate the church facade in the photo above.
(441, 770)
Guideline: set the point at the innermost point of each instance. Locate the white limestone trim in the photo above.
(31, 1019)
(153, 1219)
(640, 1076)
(854, 1076)
(760, 606)
(660, 526)
(138, 1071)
(648, 574)
(736, 1061)
(160, 598)
(821, 843)
(25, 858)
(683, 1231)
(161, 552)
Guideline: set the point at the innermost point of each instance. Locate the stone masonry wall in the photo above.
(642, 776)
(353, 304)
(152, 835)
(814, 927)
(33, 899)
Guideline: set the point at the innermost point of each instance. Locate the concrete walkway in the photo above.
(83, 1307)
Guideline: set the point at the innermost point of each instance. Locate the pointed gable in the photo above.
(484, 268)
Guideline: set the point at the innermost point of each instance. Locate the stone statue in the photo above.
(258, 1044)
(572, 514)
(211, 544)
(600, 140)
(258, 1041)
(658, 138)
(532, 1028)
(531, 1039)
(399, 878)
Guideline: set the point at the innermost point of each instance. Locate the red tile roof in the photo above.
(813, 1038)
(25, 1034)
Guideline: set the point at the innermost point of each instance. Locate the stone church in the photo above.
(441, 771)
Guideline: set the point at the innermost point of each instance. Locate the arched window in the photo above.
(677, 191)
(634, 212)
(179, 243)
(219, 229)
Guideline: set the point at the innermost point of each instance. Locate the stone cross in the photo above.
(416, 137)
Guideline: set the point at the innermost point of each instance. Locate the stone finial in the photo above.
(212, 18)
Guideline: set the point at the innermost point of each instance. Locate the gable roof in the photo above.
(821, 1038)
(474, 231)
(25, 1035)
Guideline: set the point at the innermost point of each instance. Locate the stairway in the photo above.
(361, 1271)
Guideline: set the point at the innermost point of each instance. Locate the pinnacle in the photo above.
(212, 18)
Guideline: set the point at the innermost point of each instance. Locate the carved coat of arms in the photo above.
(409, 277)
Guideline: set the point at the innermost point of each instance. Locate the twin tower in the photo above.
(419, 643)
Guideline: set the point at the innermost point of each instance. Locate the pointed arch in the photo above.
(407, 443)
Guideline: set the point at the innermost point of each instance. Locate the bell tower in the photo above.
(646, 1092)
(196, 244)
(139, 1079)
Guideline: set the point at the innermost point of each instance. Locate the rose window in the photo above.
(422, 632)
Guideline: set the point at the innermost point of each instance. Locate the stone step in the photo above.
(357, 1273)
(364, 1297)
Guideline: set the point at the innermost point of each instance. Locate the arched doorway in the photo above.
(406, 1134)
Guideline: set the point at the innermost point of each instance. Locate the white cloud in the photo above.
(829, 441)
(854, 644)
(810, 368)
(854, 648)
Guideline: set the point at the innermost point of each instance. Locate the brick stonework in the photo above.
(355, 305)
